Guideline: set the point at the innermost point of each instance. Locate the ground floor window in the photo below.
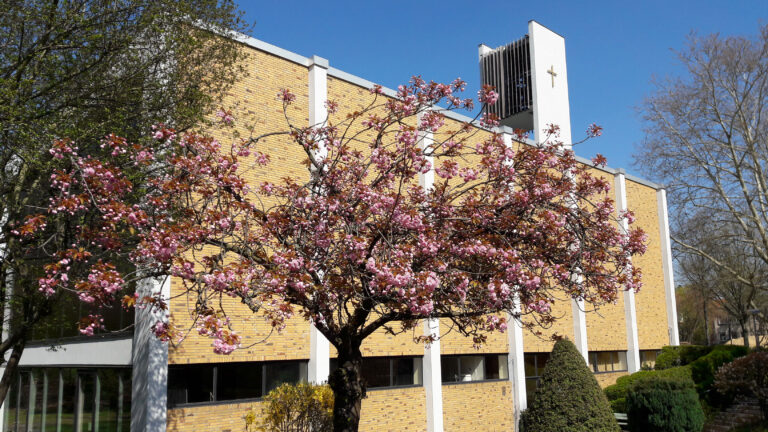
(69, 399)
(534, 366)
(217, 382)
(379, 372)
(608, 361)
(648, 358)
(464, 368)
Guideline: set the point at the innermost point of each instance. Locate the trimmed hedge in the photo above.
(617, 393)
(672, 356)
(664, 405)
(700, 369)
(568, 398)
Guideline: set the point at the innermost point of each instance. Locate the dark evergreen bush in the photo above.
(569, 398)
(701, 370)
(669, 357)
(656, 404)
(617, 393)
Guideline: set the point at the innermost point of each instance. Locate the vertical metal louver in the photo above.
(508, 69)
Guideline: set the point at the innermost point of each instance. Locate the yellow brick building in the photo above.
(451, 386)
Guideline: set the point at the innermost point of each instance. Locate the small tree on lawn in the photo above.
(568, 397)
(359, 246)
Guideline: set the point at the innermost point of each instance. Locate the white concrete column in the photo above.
(630, 316)
(666, 260)
(516, 364)
(319, 347)
(150, 363)
(580, 328)
(516, 356)
(433, 381)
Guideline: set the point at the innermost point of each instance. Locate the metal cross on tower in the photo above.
(551, 71)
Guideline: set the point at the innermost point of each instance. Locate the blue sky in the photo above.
(614, 48)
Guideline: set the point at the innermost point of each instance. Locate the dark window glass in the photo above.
(530, 365)
(239, 381)
(492, 367)
(109, 398)
(68, 392)
(52, 400)
(11, 415)
(38, 382)
(404, 371)
(282, 372)
(23, 411)
(86, 401)
(449, 369)
(376, 372)
(190, 384)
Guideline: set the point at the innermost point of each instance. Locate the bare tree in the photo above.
(736, 296)
(706, 138)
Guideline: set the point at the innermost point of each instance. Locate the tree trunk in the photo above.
(348, 387)
(10, 368)
(706, 323)
(744, 332)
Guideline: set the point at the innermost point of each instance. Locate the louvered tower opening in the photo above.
(508, 69)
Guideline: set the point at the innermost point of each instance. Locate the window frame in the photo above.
(391, 365)
(215, 382)
(615, 359)
(483, 367)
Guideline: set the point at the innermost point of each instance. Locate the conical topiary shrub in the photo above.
(568, 398)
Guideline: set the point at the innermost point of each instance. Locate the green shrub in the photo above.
(657, 404)
(568, 397)
(691, 353)
(617, 393)
(735, 350)
(701, 370)
(669, 357)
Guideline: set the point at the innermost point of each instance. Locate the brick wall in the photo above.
(210, 418)
(476, 407)
(609, 378)
(650, 302)
(394, 410)
(256, 108)
(606, 326)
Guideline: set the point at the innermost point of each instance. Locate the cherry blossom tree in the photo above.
(359, 245)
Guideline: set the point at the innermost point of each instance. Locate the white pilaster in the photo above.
(150, 363)
(318, 368)
(433, 385)
(630, 315)
(516, 364)
(433, 380)
(666, 259)
(580, 328)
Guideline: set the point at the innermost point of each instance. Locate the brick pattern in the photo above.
(475, 407)
(606, 325)
(254, 104)
(650, 303)
(394, 410)
(609, 378)
(211, 418)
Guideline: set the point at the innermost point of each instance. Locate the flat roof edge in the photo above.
(362, 82)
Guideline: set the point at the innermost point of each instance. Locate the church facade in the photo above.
(134, 382)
